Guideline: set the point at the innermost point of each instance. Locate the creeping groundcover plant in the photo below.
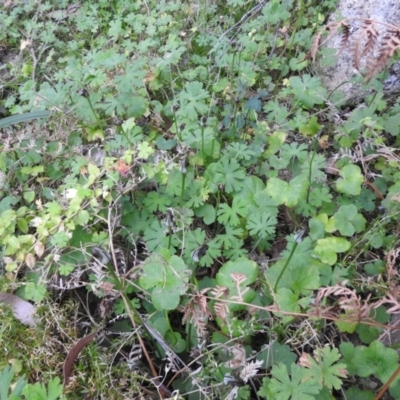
(186, 212)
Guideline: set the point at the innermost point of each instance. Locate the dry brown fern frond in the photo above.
(366, 39)
(332, 28)
(390, 44)
(370, 43)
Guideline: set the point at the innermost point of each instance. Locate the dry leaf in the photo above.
(123, 168)
(39, 249)
(24, 44)
(30, 260)
(239, 356)
(150, 76)
(23, 311)
(39, 205)
(323, 141)
(331, 167)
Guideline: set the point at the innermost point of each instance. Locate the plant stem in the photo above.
(169, 237)
(94, 113)
(202, 145)
(285, 266)
(183, 187)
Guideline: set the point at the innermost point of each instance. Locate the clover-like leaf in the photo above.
(168, 280)
(232, 269)
(328, 248)
(288, 193)
(351, 181)
(347, 221)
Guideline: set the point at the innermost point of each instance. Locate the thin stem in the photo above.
(287, 263)
(183, 187)
(169, 237)
(202, 145)
(94, 113)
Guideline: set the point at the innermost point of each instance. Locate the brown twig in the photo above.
(387, 384)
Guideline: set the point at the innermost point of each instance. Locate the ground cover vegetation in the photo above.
(188, 210)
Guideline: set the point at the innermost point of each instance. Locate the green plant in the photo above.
(195, 179)
(22, 390)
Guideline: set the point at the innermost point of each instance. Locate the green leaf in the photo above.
(34, 171)
(144, 150)
(261, 225)
(82, 218)
(23, 225)
(229, 237)
(243, 266)
(294, 150)
(375, 360)
(313, 168)
(323, 368)
(302, 273)
(328, 248)
(355, 393)
(295, 385)
(277, 353)
(228, 172)
(155, 237)
(287, 300)
(21, 118)
(230, 216)
(155, 201)
(29, 196)
(60, 239)
(311, 127)
(222, 84)
(240, 268)
(347, 221)
(308, 90)
(275, 142)
(317, 226)
(351, 181)
(319, 195)
(192, 100)
(347, 322)
(207, 212)
(6, 377)
(53, 208)
(265, 390)
(288, 193)
(55, 389)
(168, 280)
(35, 292)
(348, 350)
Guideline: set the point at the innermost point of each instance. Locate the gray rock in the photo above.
(338, 75)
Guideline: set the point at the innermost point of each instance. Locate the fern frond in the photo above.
(345, 36)
(371, 43)
(371, 34)
(390, 44)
